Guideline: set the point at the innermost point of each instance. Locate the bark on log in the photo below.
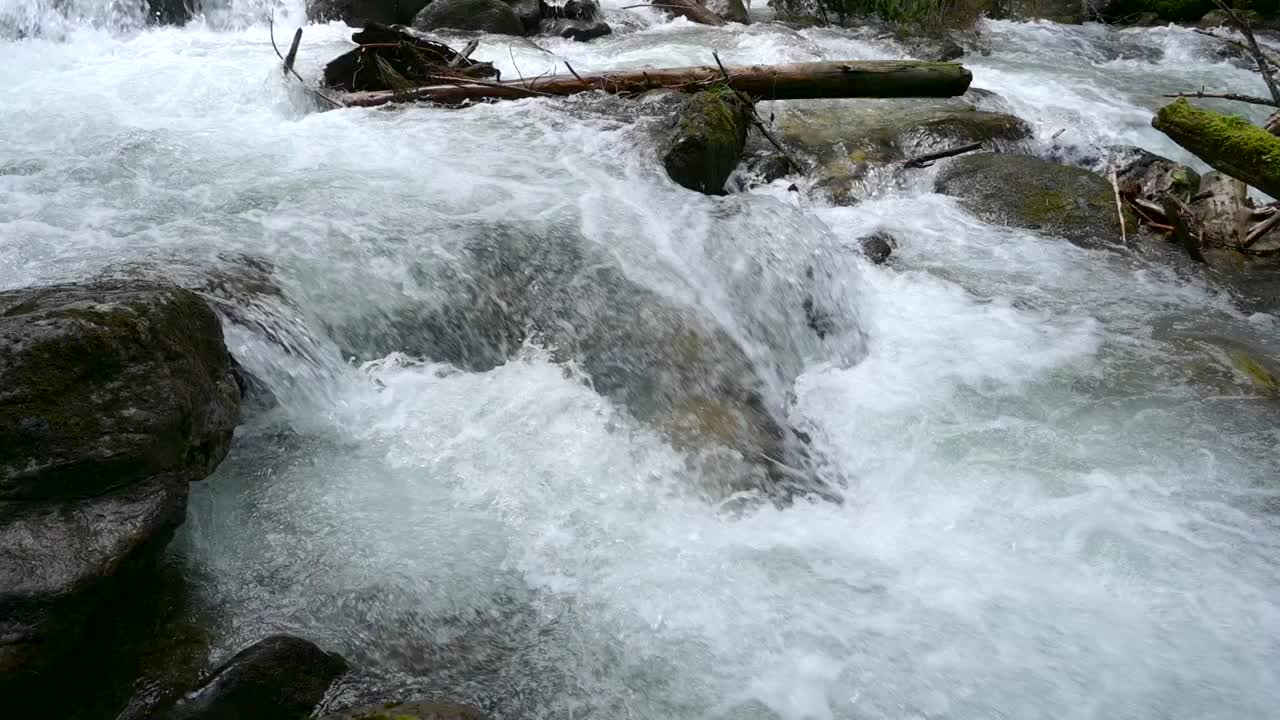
(690, 9)
(849, 79)
(1230, 144)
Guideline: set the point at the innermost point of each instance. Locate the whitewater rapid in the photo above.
(1062, 496)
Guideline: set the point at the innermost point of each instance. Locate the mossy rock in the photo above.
(410, 711)
(706, 146)
(850, 137)
(491, 16)
(1027, 192)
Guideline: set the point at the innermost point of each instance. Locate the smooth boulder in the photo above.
(491, 16)
(280, 677)
(580, 30)
(1027, 192)
(113, 396)
(730, 10)
(706, 145)
(847, 139)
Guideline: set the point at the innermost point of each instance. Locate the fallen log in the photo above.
(847, 79)
(1230, 144)
(690, 9)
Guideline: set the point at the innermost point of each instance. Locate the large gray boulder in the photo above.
(113, 397)
(280, 677)
(491, 16)
(1027, 192)
(670, 366)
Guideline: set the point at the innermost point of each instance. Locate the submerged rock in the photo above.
(707, 143)
(491, 16)
(849, 138)
(670, 366)
(580, 30)
(1027, 192)
(113, 397)
(410, 711)
(281, 677)
(171, 12)
(877, 247)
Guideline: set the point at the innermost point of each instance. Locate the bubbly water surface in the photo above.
(1062, 495)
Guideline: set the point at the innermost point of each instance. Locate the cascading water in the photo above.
(1061, 495)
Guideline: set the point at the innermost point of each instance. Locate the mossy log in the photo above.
(844, 79)
(1229, 143)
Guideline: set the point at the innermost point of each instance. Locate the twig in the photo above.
(1258, 56)
(572, 71)
(466, 52)
(1115, 188)
(924, 161)
(1232, 41)
(1173, 213)
(1257, 231)
(271, 31)
(1253, 99)
(1055, 135)
(511, 53)
(293, 52)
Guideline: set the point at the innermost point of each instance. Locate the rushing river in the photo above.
(1063, 496)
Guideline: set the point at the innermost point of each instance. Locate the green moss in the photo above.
(1235, 136)
(1257, 372)
(1045, 206)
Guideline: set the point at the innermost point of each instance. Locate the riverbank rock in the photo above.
(846, 139)
(358, 13)
(580, 30)
(113, 396)
(730, 10)
(711, 130)
(281, 677)
(1027, 192)
(410, 711)
(491, 16)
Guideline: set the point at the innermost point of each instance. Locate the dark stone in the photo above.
(171, 12)
(410, 711)
(391, 57)
(281, 677)
(104, 385)
(491, 16)
(530, 13)
(113, 396)
(877, 247)
(706, 146)
(580, 30)
(358, 13)
(585, 10)
(1027, 192)
(767, 166)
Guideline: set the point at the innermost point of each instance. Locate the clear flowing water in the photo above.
(1062, 493)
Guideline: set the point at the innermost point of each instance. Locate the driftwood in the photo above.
(848, 79)
(691, 9)
(1251, 99)
(396, 58)
(924, 161)
(1230, 144)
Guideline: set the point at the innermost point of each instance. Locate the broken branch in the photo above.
(1252, 99)
(926, 160)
